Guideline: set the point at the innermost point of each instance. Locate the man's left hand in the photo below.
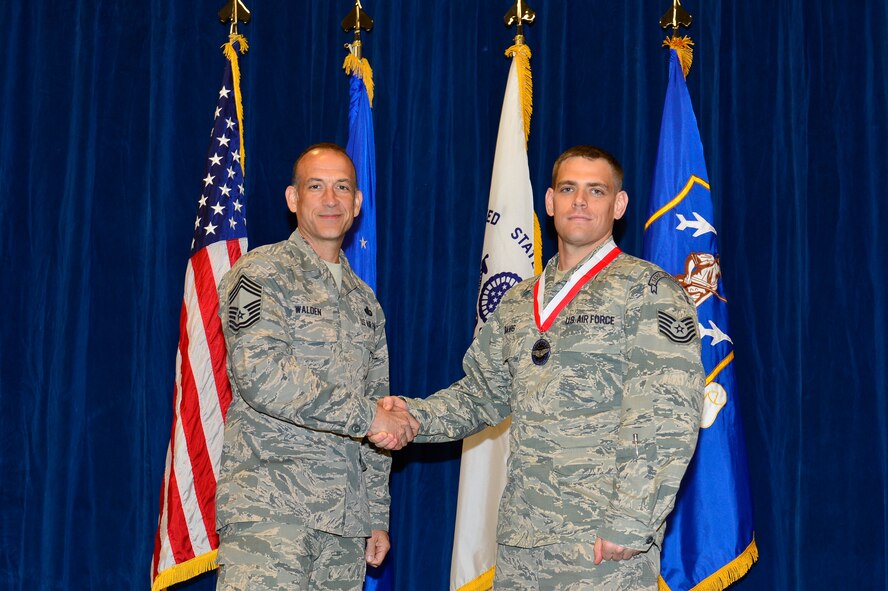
(377, 547)
(605, 550)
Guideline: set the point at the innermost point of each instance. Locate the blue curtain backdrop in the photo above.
(104, 114)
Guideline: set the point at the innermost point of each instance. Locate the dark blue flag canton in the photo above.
(221, 208)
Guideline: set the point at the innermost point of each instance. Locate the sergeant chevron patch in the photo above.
(677, 331)
(244, 304)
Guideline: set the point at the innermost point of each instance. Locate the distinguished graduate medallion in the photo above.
(540, 352)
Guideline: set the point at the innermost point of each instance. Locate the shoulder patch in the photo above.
(655, 280)
(678, 331)
(244, 303)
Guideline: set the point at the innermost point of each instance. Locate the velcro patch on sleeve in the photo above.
(244, 304)
(677, 331)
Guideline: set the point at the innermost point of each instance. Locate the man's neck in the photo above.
(328, 251)
(569, 255)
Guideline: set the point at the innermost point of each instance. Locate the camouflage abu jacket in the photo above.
(306, 364)
(605, 405)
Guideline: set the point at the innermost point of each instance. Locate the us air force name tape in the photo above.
(677, 331)
(244, 304)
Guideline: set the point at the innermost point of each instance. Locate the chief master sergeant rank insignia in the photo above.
(244, 303)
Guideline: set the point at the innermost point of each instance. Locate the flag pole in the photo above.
(233, 12)
(186, 543)
(677, 17)
(519, 14)
(710, 539)
(356, 21)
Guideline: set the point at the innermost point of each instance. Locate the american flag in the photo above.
(186, 542)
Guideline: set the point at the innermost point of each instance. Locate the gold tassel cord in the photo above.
(185, 570)
(361, 68)
(231, 54)
(684, 47)
(522, 54)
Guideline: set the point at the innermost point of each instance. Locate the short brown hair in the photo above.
(589, 153)
(329, 147)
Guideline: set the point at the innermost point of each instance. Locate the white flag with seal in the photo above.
(511, 254)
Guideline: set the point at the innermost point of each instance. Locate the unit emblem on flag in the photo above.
(716, 398)
(244, 303)
(493, 291)
(702, 272)
(677, 331)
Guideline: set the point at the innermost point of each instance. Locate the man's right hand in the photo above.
(393, 426)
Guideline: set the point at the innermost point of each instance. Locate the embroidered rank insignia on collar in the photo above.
(677, 331)
(244, 304)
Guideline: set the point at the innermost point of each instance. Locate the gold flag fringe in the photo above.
(522, 54)
(684, 47)
(483, 582)
(726, 575)
(362, 69)
(231, 54)
(186, 570)
(537, 246)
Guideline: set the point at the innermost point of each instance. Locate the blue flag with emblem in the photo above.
(360, 243)
(709, 540)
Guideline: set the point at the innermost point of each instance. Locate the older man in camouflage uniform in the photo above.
(303, 498)
(598, 362)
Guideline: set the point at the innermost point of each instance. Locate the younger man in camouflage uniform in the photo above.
(598, 362)
(303, 499)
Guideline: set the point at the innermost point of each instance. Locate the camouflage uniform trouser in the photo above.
(275, 556)
(571, 567)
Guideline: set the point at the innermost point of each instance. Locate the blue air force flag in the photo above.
(360, 243)
(709, 535)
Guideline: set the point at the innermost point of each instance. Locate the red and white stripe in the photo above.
(186, 527)
(545, 316)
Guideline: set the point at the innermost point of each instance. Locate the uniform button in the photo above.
(356, 428)
(649, 540)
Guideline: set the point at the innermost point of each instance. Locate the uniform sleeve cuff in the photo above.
(360, 420)
(627, 533)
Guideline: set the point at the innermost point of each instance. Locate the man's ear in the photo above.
(359, 200)
(550, 202)
(620, 205)
(292, 196)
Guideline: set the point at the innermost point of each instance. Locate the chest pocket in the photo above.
(313, 333)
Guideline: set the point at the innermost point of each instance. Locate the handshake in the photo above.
(393, 426)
